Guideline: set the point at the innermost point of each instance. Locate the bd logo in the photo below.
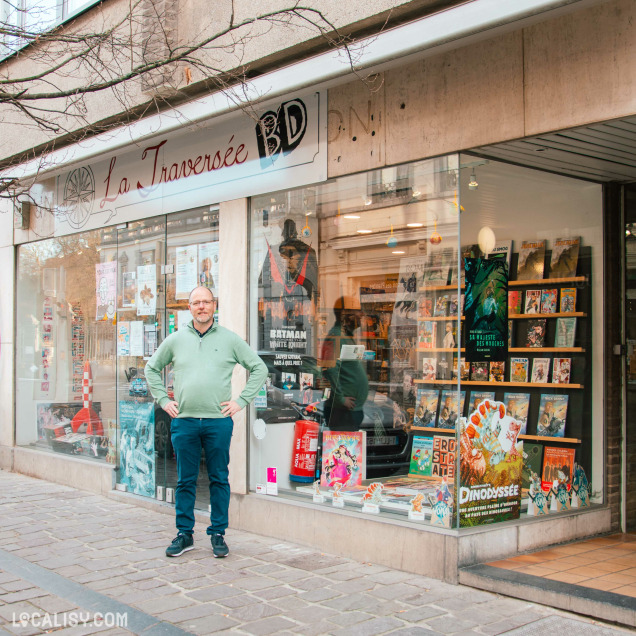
(281, 131)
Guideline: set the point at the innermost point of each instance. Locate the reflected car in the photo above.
(138, 388)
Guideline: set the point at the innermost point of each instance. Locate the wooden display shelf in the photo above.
(431, 429)
(439, 350)
(546, 350)
(446, 318)
(547, 281)
(541, 438)
(423, 290)
(559, 314)
(542, 385)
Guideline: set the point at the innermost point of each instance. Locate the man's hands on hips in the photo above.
(172, 409)
(230, 408)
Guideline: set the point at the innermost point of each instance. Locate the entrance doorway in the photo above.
(160, 261)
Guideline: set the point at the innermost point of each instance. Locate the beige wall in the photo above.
(563, 73)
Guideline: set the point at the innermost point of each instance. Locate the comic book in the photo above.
(536, 333)
(540, 370)
(511, 331)
(497, 371)
(517, 405)
(565, 257)
(568, 300)
(532, 462)
(450, 410)
(549, 301)
(479, 371)
(343, 458)
(561, 368)
(426, 407)
(452, 305)
(421, 457)
(424, 308)
(553, 411)
(429, 368)
(518, 369)
(533, 301)
(441, 305)
(464, 372)
(503, 249)
(555, 461)
(565, 332)
(426, 334)
(514, 301)
(531, 260)
(477, 397)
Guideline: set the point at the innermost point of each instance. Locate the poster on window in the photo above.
(186, 272)
(123, 338)
(491, 465)
(486, 309)
(410, 279)
(105, 290)
(129, 289)
(146, 298)
(136, 338)
(209, 266)
(137, 447)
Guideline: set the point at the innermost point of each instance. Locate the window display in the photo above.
(433, 344)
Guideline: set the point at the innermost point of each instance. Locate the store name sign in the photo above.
(242, 156)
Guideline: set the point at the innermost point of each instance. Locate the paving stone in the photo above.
(370, 627)
(321, 594)
(23, 595)
(156, 605)
(214, 593)
(268, 626)
(414, 630)
(351, 602)
(397, 590)
(274, 592)
(208, 624)
(351, 587)
(390, 576)
(54, 604)
(419, 614)
(310, 614)
(191, 612)
(254, 583)
(345, 619)
(253, 612)
(449, 624)
(236, 601)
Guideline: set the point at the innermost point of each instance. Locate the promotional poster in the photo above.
(486, 309)
(137, 447)
(491, 465)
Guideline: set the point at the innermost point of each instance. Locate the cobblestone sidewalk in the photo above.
(77, 563)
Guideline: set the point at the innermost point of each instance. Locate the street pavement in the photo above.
(72, 562)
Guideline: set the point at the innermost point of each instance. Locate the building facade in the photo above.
(433, 260)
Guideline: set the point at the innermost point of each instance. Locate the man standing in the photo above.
(203, 355)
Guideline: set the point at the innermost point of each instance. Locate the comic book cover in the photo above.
(540, 370)
(518, 369)
(441, 305)
(426, 407)
(517, 406)
(568, 300)
(558, 466)
(502, 249)
(426, 334)
(565, 257)
(343, 458)
(453, 305)
(565, 332)
(531, 260)
(476, 397)
(421, 457)
(514, 301)
(479, 371)
(532, 463)
(561, 368)
(497, 372)
(450, 408)
(464, 372)
(491, 463)
(511, 331)
(533, 301)
(424, 308)
(536, 333)
(553, 411)
(429, 368)
(549, 301)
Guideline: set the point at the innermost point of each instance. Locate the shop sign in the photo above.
(486, 309)
(491, 463)
(282, 146)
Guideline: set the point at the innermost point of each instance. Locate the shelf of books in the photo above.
(548, 360)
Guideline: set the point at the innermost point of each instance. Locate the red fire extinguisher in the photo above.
(303, 463)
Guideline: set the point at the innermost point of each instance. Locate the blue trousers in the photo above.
(189, 436)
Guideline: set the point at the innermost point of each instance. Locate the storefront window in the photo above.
(403, 377)
(65, 346)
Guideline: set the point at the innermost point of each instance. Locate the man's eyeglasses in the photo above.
(197, 303)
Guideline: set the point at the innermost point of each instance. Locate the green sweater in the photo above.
(203, 368)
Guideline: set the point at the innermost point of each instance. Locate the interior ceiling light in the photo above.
(364, 231)
(472, 184)
(398, 252)
(414, 224)
(350, 216)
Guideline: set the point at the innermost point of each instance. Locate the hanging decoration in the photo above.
(392, 241)
(435, 239)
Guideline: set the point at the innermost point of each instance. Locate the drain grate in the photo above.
(563, 627)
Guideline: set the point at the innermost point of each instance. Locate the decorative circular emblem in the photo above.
(79, 196)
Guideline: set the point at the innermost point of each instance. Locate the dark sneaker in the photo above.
(180, 544)
(219, 547)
